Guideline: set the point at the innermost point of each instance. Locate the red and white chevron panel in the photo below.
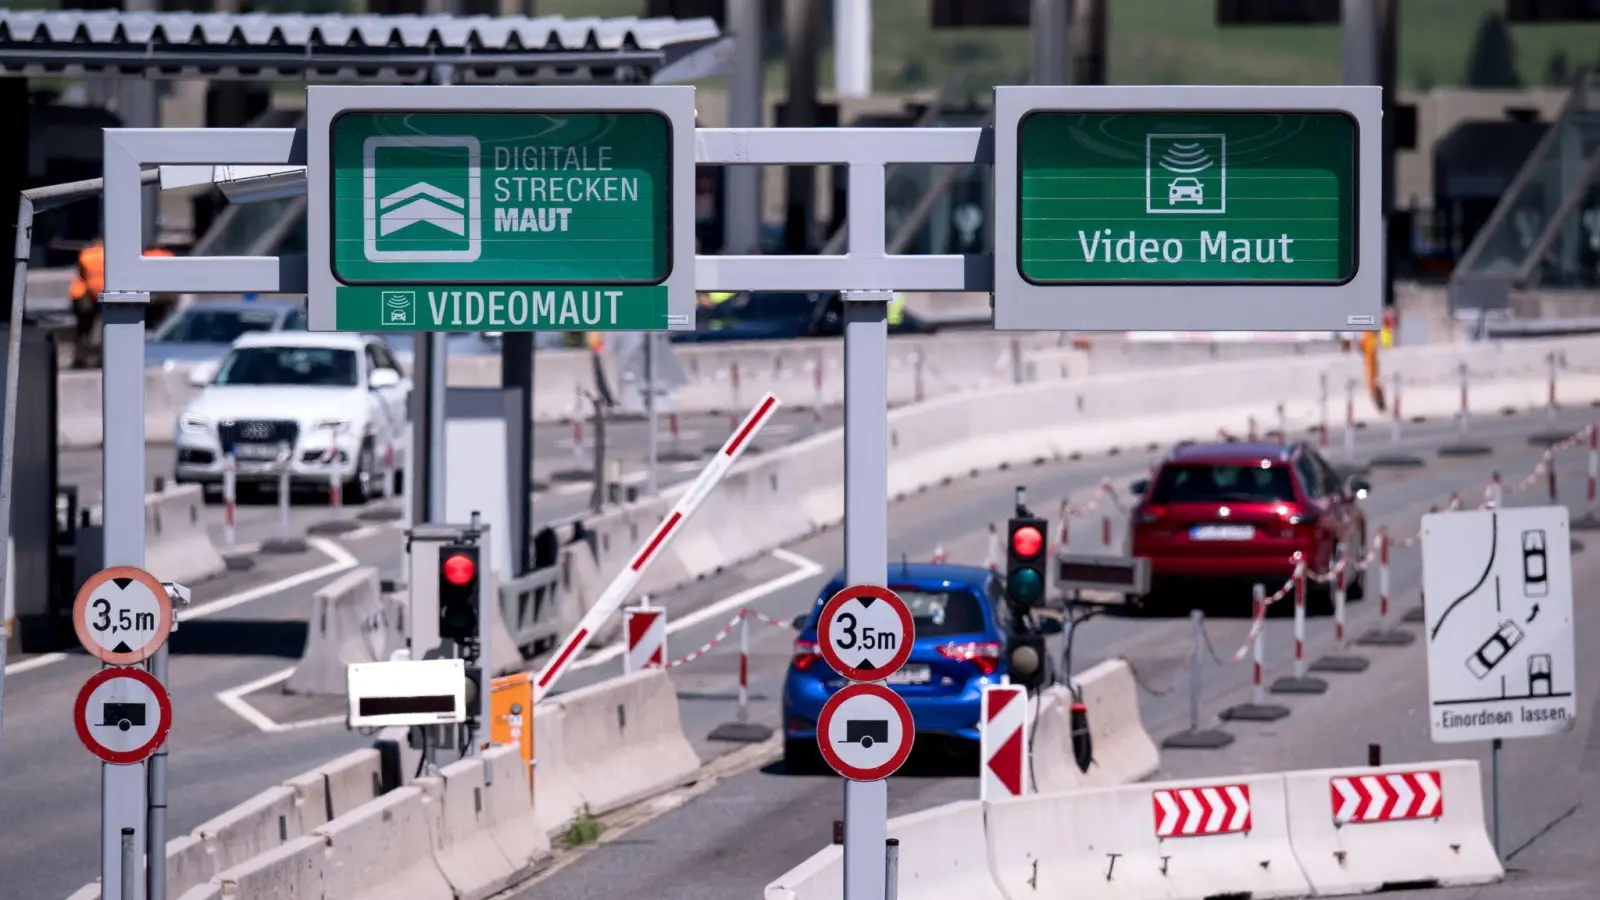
(1200, 811)
(1386, 798)
(647, 639)
(1003, 748)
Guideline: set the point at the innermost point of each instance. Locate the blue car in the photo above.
(961, 620)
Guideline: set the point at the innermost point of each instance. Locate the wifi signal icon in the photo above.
(1186, 173)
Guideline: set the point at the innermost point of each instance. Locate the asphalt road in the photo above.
(563, 467)
(730, 841)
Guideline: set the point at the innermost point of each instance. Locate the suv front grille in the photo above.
(256, 431)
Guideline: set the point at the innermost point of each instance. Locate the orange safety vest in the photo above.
(90, 282)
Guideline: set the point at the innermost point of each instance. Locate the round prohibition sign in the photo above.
(113, 715)
(865, 632)
(865, 732)
(122, 615)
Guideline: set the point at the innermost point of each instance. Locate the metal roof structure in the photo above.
(346, 48)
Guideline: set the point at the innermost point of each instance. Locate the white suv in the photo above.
(333, 401)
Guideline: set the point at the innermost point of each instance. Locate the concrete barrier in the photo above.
(1102, 844)
(556, 797)
(1358, 856)
(177, 546)
(351, 622)
(1123, 750)
(622, 739)
(188, 866)
(820, 877)
(336, 788)
(265, 822)
(483, 844)
(380, 850)
(294, 870)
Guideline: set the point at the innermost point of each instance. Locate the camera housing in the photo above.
(406, 693)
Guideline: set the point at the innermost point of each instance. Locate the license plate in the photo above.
(259, 452)
(1222, 532)
(911, 675)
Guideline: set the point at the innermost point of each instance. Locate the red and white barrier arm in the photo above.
(621, 586)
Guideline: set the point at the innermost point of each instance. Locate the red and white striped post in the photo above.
(1341, 569)
(1549, 462)
(1300, 621)
(577, 441)
(1105, 530)
(1594, 460)
(1350, 419)
(993, 562)
(1462, 414)
(1322, 400)
(230, 501)
(1494, 494)
(335, 483)
(919, 390)
(744, 667)
(734, 383)
(1258, 648)
(388, 471)
(1551, 364)
(1394, 397)
(939, 556)
(673, 435)
(1383, 578)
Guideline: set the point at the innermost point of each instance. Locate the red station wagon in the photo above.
(1239, 513)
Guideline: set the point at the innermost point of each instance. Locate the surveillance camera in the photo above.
(406, 693)
(177, 593)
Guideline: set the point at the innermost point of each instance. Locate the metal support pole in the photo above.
(1350, 420)
(801, 29)
(488, 597)
(436, 393)
(8, 432)
(652, 451)
(419, 462)
(516, 371)
(123, 789)
(1195, 640)
(1050, 25)
(1494, 789)
(852, 48)
(742, 205)
(1195, 737)
(866, 520)
(156, 812)
(891, 865)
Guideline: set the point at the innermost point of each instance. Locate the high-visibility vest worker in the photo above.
(1390, 321)
(712, 299)
(897, 310)
(596, 341)
(90, 282)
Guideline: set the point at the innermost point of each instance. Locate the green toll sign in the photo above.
(1258, 197)
(501, 198)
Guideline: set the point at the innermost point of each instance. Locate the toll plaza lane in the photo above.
(729, 841)
(49, 799)
(563, 467)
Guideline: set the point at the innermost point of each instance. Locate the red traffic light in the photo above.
(1027, 541)
(459, 569)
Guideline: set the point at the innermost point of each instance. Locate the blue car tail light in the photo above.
(984, 655)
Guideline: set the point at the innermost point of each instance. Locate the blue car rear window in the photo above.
(937, 612)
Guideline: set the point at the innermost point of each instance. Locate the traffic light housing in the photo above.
(458, 592)
(1026, 553)
(1025, 660)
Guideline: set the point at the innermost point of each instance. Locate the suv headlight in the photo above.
(193, 423)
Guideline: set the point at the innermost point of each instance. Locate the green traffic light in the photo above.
(1027, 584)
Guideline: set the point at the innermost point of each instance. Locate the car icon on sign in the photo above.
(1185, 190)
(1494, 649)
(1535, 564)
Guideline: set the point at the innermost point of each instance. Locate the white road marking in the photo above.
(233, 699)
(342, 560)
(804, 569)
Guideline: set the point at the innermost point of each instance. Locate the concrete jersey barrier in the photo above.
(177, 545)
(621, 740)
(351, 621)
(942, 854)
(1123, 751)
(482, 843)
(557, 798)
(1437, 837)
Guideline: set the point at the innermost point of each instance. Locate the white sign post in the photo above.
(1501, 656)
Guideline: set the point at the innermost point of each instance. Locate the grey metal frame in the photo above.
(1356, 305)
(324, 103)
(1558, 220)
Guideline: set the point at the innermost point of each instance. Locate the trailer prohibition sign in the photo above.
(122, 715)
(865, 632)
(865, 732)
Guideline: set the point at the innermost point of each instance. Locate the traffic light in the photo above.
(1025, 562)
(1025, 656)
(1279, 12)
(458, 592)
(1533, 12)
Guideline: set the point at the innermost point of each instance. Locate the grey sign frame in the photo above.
(325, 102)
(1356, 305)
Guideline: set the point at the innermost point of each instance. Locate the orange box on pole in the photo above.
(511, 706)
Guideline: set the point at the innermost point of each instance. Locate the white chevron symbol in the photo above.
(1403, 796)
(1377, 797)
(1431, 794)
(430, 204)
(1349, 800)
(1169, 814)
(1214, 800)
(1191, 804)
(1241, 807)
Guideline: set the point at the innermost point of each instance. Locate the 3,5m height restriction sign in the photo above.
(865, 632)
(500, 208)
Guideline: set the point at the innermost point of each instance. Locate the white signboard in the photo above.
(1497, 587)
